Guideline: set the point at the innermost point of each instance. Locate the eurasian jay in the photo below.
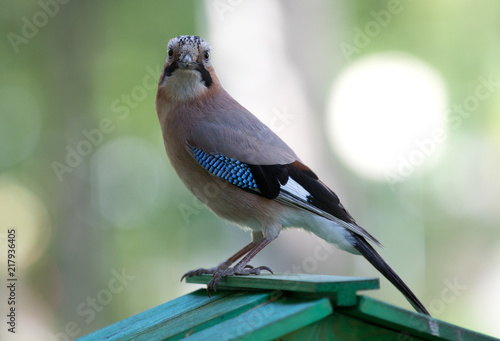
(245, 173)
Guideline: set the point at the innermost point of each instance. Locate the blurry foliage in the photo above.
(95, 61)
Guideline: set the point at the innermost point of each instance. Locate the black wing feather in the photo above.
(269, 179)
(321, 196)
(321, 200)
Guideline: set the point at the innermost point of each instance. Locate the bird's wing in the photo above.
(292, 184)
(298, 186)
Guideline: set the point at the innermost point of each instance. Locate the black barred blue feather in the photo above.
(226, 168)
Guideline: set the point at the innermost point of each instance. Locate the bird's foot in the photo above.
(222, 271)
(235, 271)
(200, 271)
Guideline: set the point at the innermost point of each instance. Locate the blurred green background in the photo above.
(393, 103)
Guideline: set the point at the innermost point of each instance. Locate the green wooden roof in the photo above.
(284, 307)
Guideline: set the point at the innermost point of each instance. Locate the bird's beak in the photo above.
(187, 62)
(187, 58)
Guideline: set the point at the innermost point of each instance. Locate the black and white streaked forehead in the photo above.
(188, 43)
(189, 40)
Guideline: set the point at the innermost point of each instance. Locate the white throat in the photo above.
(185, 84)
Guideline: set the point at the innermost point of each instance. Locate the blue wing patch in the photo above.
(226, 168)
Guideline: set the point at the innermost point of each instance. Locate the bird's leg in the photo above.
(257, 236)
(242, 268)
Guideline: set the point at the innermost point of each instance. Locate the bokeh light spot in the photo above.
(22, 210)
(382, 110)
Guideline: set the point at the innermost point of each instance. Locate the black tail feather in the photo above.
(380, 264)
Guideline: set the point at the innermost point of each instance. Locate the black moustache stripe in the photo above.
(205, 75)
(169, 70)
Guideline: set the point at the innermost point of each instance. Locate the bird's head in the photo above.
(188, 72)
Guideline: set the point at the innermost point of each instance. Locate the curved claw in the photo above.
(265, 268)
(253, 271)
(212, 284)
(200, 271)
(184, 276)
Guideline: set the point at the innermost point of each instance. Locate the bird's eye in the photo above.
(170, 52)
(206, 55)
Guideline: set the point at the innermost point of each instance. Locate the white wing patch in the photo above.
(293, 188)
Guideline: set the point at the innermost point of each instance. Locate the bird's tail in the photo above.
(380, 264)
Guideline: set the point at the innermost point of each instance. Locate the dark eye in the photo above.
(170, 52)
(206, 55)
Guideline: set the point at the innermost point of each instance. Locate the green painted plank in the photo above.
(410, 322)
(268, 321)
(342, 288)
(135, 325)
(340, 327)
(208, 315)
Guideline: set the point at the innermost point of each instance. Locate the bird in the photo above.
(245, 173)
